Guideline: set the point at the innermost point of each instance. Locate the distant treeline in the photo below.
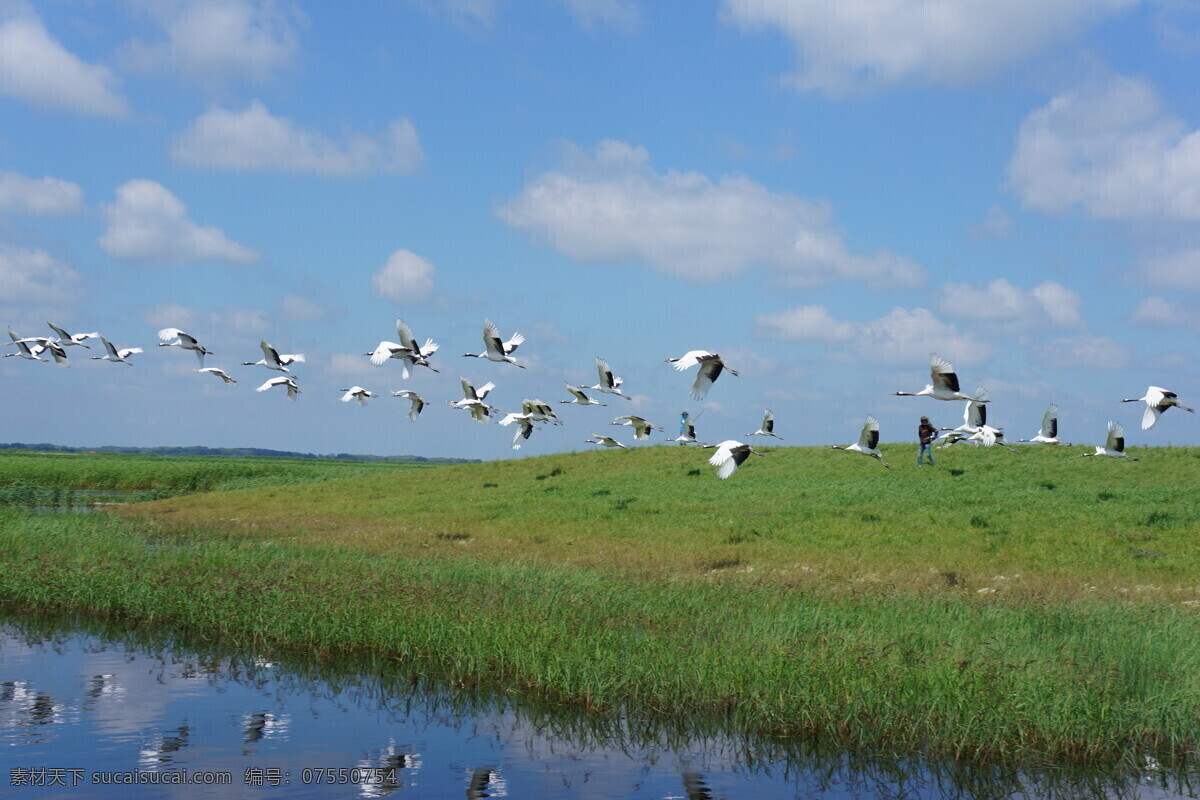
(228, 451)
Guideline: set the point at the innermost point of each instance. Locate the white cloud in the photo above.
(996, 224)
(844, 45)
(39, 195)
(621, 15)
(148, 223)
(224, 324)
(1174, 271)
(34, 277)
(35, 67)
(1000, 301)
(1059, 303)
(171, 315)
(347, 364)
(212, 41)
(548, 333)
(805, 324)
(254, 139)
(1158, 312)
(898, 338)
(1084, 352)
(406, 279)
(749, 363)
(610, 205)
(300, 309)
(1110, 150)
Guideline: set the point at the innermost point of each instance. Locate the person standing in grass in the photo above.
(926, 433)
(683, 418)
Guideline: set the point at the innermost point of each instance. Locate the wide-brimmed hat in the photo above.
(924, 419)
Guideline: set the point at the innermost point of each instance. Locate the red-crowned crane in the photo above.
(494, 349)
(580, 398)
(417, 401)
(608, 384)
(68, 339)
(473, 400)
(1114, 446)
(711, 367)
(357, 393)
(868, 441)
(24, 350)
(273, 359)
(605, 441)
(768, 426)
(729, 456)
(184, 341)
(944, 383)
(407, 351)
(115, 355)
(688, 436)
(1157, 401)
(220, 373)
(282, 380)
(641, 428)
(1048, 433)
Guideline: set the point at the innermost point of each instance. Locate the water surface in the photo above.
(78, 709)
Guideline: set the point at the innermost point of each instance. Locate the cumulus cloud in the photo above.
(406, 279)
(1179, 270)
(1158, 312)
(1084, 352)
(212, 41)
(1112, 151)
(34, 277)
(842, 46)
(897, 338)
(1000, 301)
(621, 15)
(300, 309)
(611, 205)
(996, 224)
(346, 364)
(805, 324)
(36, 68)
(39, 195)
(148, 223)
(254, 139)
(225, 323)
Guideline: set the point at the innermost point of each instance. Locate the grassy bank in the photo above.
(954, 676)
(1031, 607)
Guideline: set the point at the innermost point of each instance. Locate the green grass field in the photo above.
(1039, 524)
(1033, 608)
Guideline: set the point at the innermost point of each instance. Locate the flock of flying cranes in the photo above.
(729, 455)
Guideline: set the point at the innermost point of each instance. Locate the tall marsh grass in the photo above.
(26, 474)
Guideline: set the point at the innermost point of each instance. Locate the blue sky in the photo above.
(824, 193)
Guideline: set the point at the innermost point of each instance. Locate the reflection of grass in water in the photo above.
(377, 684)
(951, 671)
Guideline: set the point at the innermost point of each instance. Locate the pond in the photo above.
(87, 713)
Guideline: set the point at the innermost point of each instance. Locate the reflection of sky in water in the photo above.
(77, 703)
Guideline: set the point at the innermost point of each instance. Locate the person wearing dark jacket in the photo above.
(926, 433)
